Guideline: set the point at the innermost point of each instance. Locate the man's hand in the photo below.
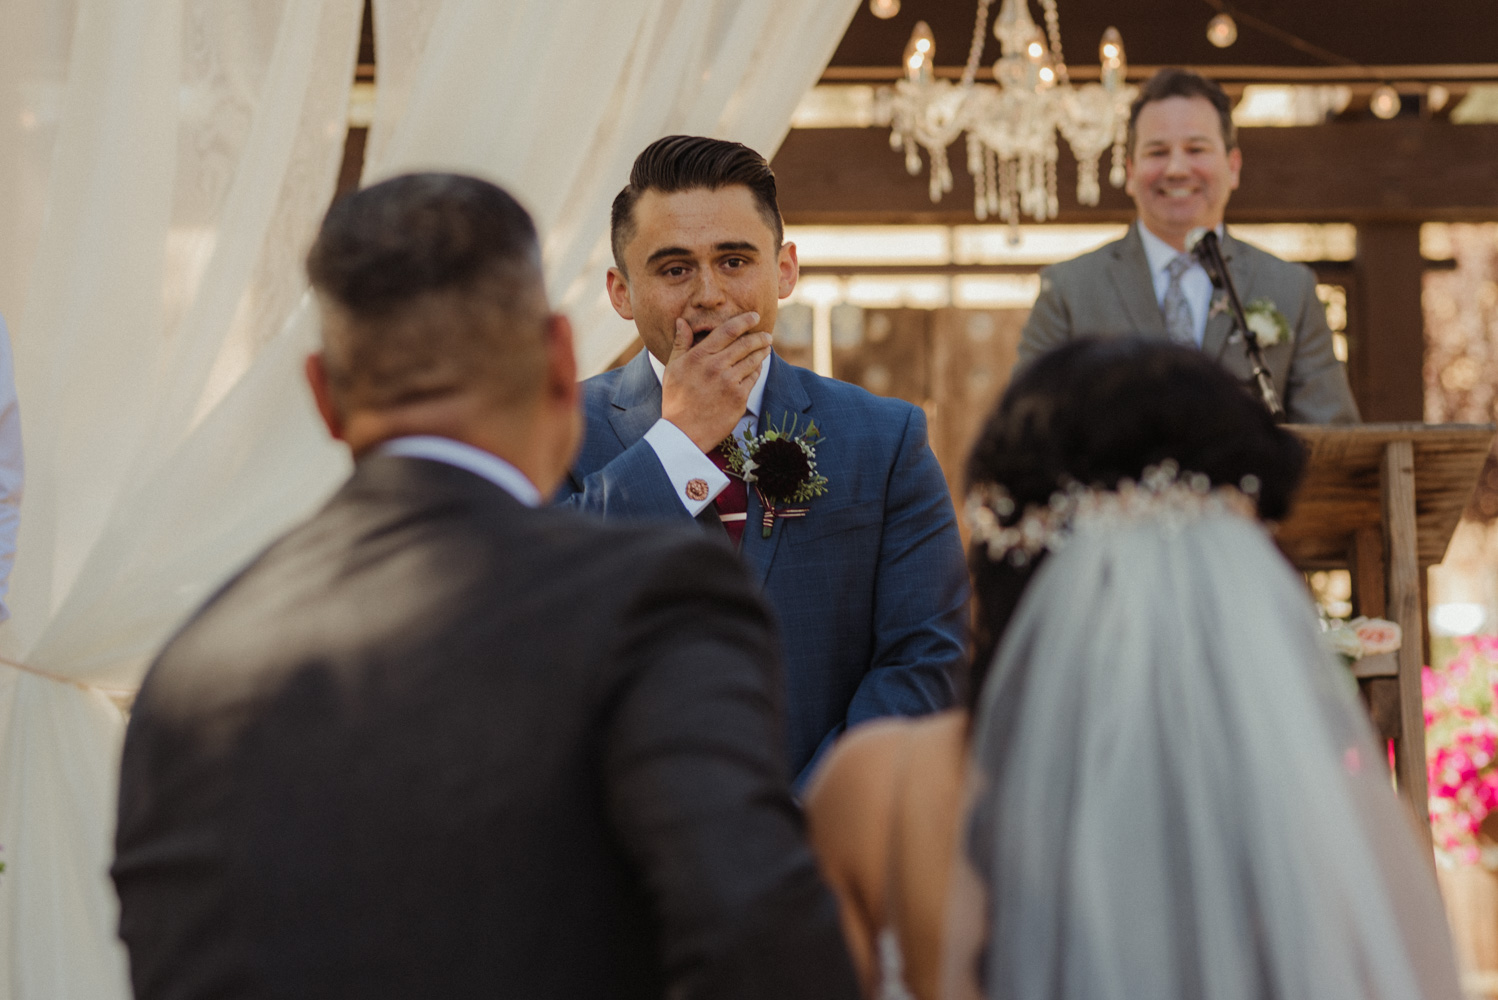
(706, 387)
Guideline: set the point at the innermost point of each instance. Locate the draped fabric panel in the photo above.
(555, 100)
(170, 162)
(165, 167)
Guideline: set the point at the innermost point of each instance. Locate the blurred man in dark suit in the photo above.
(440, 741)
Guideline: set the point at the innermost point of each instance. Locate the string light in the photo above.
(1222, 30)
(1385, 102)
(884, 9)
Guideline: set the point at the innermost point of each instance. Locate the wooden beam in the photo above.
(1386, 335)
(1406, 170)
(1397, 480)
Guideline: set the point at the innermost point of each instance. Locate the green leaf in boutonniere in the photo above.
(781, 465)
(1267, 322)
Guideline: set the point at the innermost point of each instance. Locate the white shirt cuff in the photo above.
(693, 475)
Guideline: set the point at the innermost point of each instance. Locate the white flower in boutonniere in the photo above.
(781, 465)
(1267, 322)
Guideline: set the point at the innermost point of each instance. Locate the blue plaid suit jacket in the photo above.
(869, 589)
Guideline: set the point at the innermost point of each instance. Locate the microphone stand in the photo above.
(1203, 243)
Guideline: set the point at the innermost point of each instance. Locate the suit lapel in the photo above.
(784, 395)
(1129, 271)
(637, 401)
(1220, 327)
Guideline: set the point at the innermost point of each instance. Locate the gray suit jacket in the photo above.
(1109, 293)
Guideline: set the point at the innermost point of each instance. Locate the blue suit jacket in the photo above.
(869, 588)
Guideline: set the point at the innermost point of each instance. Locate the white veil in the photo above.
(1175, 793)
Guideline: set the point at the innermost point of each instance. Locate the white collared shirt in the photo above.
(465, 456)
(1195, 284)
(683, 460)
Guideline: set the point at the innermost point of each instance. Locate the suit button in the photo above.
(697, 489)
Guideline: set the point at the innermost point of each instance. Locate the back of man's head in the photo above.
(685, 163)
(1172, 82)
(430, 286)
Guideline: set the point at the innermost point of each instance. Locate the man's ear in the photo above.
(1129, 176)
(561, 361)
(322, 393)
(618, 286)
(790, 269)
(1235, 167)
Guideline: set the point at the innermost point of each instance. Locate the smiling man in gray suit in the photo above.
(1183, 165)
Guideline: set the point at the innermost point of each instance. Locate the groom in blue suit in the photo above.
(868, 584)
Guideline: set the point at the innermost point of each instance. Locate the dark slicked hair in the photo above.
(687, 162)
(1098, 411)
(1172, 82)
(429, 284)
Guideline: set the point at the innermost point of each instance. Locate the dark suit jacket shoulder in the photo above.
(433, 743)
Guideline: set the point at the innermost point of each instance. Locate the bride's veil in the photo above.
(1175, 793)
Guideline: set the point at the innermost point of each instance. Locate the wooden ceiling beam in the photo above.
(1406, 170)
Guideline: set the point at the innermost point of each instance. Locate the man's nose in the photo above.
(709, 290)
(1178, 162)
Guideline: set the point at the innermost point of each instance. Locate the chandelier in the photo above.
(1012, 127)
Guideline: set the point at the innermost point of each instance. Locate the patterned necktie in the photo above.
(1177, 313)
(733, 501)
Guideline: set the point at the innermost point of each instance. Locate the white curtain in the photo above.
(164, 166)
(554, 100)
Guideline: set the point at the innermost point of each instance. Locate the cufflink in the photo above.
(697, 489)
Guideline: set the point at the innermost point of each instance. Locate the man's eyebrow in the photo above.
(728, 246)
(664, 252)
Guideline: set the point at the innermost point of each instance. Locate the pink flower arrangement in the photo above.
(1461, 738)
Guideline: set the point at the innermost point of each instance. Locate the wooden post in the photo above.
(1386, 353)
(1397, 482)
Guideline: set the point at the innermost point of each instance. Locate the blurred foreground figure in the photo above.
(438, 742)
(1163, 785)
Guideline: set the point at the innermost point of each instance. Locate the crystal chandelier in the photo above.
(1012, 127)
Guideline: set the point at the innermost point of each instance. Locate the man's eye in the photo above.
(674, 271)
(735, 262)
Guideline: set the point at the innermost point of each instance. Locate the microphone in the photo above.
(1203, 244)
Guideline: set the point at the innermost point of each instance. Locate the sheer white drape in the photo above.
(554, 101)
(165, 165)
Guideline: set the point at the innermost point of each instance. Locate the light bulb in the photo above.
(1111, 55)
(884, 9)
(920, 53)
(1035, 49)
(1436, 97)
(1222, 30)
(1047, 75)
(1385, 102)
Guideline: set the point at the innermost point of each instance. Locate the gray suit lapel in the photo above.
(637, 401)
(784, 395)
(1129, 270)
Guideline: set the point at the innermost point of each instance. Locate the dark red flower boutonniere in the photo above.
(781, 465)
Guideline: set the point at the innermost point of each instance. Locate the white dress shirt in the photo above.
(1195, 284)
(465, 456)
(683, 460)
(12, 467)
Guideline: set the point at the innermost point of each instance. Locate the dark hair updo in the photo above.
(1098, 411)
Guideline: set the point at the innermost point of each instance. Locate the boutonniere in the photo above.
(1267, 322)
(781, 465)
(1219, 306)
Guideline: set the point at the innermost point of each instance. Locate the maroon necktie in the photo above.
(733, 501)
